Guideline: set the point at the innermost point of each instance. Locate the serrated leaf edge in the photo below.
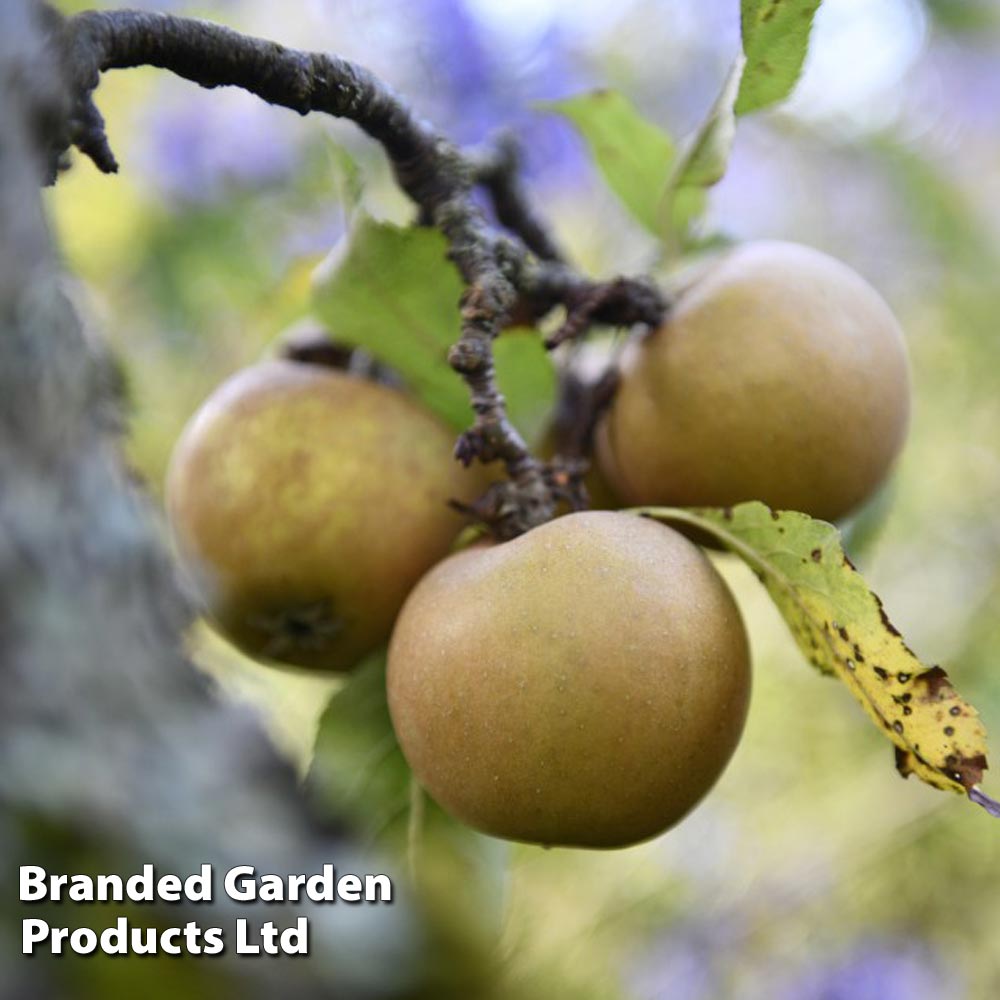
(753, 559)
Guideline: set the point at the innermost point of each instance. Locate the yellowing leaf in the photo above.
(843, 629)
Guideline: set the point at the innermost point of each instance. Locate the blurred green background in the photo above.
(812, 871)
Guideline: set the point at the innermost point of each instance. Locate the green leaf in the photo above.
(359, 772)
(393, 292)
(964, 17)
(682, 208)
(704, 160)
(775, 42)
(633, 155)
(843, 629)
(346, 175)
(527, 379)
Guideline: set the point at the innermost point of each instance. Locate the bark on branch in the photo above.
(505, 275)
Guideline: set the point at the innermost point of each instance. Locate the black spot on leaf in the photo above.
(936, 681)
(885, 618)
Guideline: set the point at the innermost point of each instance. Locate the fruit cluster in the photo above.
(586, 683)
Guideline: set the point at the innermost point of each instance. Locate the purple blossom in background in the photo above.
(884, 970)
(315, 234)
(677, 972)
(459, 65)
(959, 85)
(477, 81)
(199, 146)
(173, 6)
(688, 962)
(170, 6)
(553, 151)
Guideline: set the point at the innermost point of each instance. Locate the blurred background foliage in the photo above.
(812, 871)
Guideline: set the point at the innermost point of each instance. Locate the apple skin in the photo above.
(780, 376)
(307, 502)
(582, 685)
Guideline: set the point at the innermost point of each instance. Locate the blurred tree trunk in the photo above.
(113, 750)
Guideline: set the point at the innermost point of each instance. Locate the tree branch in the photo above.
(502, 274)
(498, 169)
